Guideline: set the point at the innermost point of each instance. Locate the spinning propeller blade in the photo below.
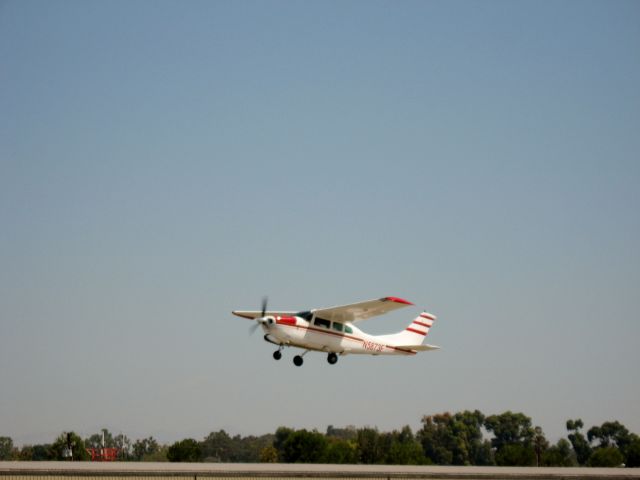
(259, 320)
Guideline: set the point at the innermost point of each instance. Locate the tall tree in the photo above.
(6, 448)
(369, 449)
(455, 439)
(281, 436)
(513, 438)
(217, 447)
(610, 434)
(540, 444)
(580, 445)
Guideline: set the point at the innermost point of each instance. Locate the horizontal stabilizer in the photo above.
(420, 348)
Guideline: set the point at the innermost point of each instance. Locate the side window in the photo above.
(348, 329)
(321, 322)
(337, 326)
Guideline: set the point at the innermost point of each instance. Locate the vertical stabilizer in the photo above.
(414, 334)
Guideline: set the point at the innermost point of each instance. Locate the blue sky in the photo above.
(163, 163)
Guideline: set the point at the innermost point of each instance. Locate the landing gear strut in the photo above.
(297, 360)
(332, 358)
(277, 355)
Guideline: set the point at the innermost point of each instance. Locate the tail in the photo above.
(414, 335)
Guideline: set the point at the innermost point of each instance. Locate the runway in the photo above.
(195, 471)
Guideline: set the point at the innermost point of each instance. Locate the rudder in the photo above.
(419, 328)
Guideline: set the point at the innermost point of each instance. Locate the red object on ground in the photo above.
(103, 454)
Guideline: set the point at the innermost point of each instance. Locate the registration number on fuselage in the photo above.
(372, 346)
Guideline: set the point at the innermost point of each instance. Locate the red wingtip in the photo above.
(399, 300)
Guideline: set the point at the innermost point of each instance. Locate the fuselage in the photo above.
(323, 335)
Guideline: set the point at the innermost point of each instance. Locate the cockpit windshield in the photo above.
(306, 315)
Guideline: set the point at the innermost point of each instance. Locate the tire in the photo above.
(332, 358)
(277, 355)
(297, 361)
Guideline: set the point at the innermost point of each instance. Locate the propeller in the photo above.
(260, 319)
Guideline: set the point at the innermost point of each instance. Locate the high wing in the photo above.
(251, 314)
(356, 312)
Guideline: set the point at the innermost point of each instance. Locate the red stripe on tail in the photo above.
(424, 334)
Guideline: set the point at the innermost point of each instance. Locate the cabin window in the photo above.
(321, 322)
(348, 329)
(337, 326)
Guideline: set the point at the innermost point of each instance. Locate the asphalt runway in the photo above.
(158, 471)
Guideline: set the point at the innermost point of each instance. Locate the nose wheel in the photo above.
(332, 358)
(277, 355)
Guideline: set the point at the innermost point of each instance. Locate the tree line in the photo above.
(463, 438)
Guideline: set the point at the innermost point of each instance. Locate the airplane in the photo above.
(332, 330)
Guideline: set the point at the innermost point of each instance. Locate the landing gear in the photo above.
(277, 355)
(332, 358)
(297, 361)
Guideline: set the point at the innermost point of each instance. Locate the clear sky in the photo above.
(163, 163)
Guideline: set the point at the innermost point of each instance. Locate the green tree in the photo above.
(95, 440)
(610, 434)
(187, 450)
(509, 428)
(558, 455)
(124, 446)
(6, 448)
(369, 449)
(36, 453)
(269, 454)
(632, 452)
(281, 436)
(540, 444)
(513, 439)
(455, 439)
(159, 455)
(217, 447)
(580, 445)
(606, 457)
(403, 448)
(144, 447)
(515, 454)
(303, 446)
(57, 448)
(340, 451)
(347, 433)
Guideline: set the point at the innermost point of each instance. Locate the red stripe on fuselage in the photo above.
(349, 337)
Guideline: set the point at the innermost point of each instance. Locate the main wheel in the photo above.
(297, 360)
(332, 358)
(277, 355)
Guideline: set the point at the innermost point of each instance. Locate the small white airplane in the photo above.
(332, 330)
